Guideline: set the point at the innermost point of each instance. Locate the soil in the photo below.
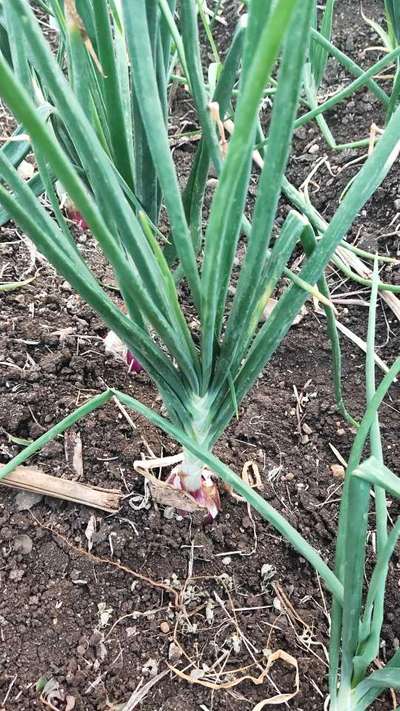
(94, 627)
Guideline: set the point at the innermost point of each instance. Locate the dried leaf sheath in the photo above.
(34, 480)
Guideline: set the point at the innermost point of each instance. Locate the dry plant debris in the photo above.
(195, 598)
(34, 480)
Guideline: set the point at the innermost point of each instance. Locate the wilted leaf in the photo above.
(77, 461)
(23, 544)
(281, 698)
(25, 170)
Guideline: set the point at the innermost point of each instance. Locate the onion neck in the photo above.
(192, 467)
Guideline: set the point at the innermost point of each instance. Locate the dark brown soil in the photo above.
(95, 628)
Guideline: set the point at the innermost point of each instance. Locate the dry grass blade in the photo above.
(73, 452)
(213, 678)
(141, 692)
(352, 261)
(13, 285)
(392, 301)
(361, 343)
(338, 455)
(272, 303)
(306, 638)
(156, 463)
(21, 137)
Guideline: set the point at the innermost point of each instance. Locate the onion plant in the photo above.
(321, 48)
(393, 19)
(390, 37)
(357, 607)
(90, 55)
(357, 623)
(314, 69)
(202, 376)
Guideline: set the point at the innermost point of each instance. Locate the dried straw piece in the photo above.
(34, 480)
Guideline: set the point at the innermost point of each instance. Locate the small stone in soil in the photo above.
(174, 652)
(96, 638)
(169, 512)
(25, 500)
(289, 476)
(337, 471)
(23, 544)
(101, 651)
(246, 522)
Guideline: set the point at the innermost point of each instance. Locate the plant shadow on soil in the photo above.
(52, 357)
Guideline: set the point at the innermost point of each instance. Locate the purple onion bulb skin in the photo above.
(78, 220)
(206, 495)
(133, 364)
